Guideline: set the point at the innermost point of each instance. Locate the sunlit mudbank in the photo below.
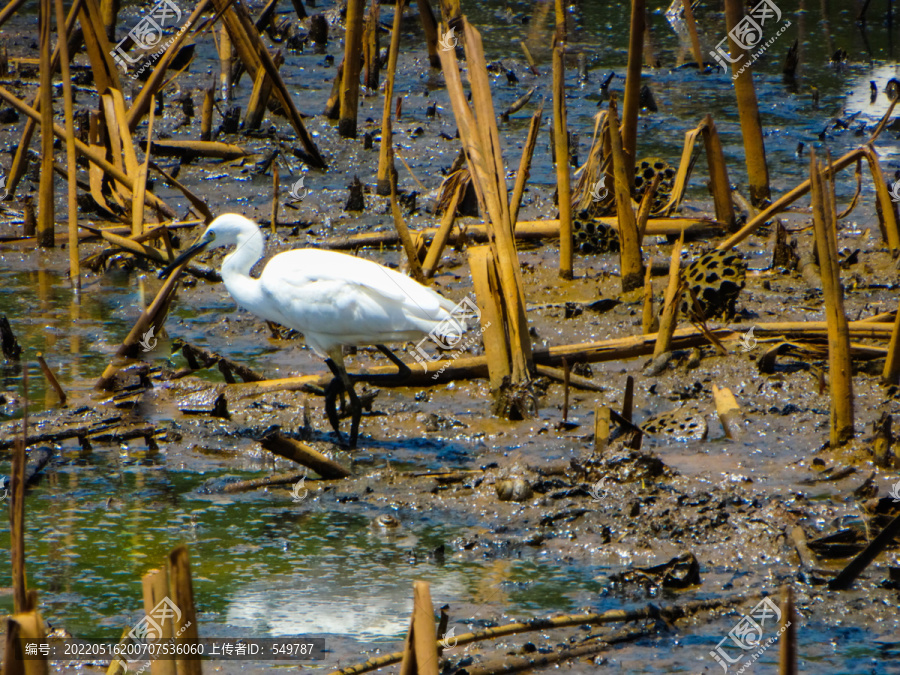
(469, 337)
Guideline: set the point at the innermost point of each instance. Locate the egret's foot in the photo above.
(340, 384)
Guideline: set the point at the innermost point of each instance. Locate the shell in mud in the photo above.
(514, 490)
(683, 424)
(386, 522)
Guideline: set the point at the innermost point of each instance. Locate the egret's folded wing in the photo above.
(357, 284)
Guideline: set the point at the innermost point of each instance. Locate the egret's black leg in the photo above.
(355, 407)
(335, 387)
(388, 379)
(331, 392)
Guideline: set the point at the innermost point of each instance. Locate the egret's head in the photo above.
(229, 229)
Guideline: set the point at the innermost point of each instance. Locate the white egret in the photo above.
(334, 299)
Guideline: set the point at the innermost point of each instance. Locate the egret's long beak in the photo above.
(184, 257)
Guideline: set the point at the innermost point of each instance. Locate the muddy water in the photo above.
(265, 565)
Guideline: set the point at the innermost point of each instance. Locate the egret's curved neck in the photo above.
(236, 269)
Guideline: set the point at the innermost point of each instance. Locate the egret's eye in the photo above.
(211, 236)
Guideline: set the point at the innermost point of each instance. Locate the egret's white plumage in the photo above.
(334, 299)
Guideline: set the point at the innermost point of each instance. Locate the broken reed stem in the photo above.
(647, 315)
(628, 399)
(17, 507)
(787, 648)
(197, 203)
(577, 381)
(616, 349)
(45, 215)
(109, 11)
(20, 156)
(267, 481)
(748, 110)
(786, 200)
(669, 614)
(692, 29)
(253, 54)
(333, 104)
(225, 65)
(631, 261)
(531, 229)
(601, 428)
(442, 235)
(643, 215)
(669, 318)
(10, 9)
(561, 141)
(303, 454)
(728, 410)
(98, 47)
(51, 379)
(560, 6)
(95, 157)
(424, 646)
(371, 52)
(415, 268)
(350, 81)
(155, 586)
(718, 174)
(631, 100)
(530, 59)
(274, 196)
(17, 527)
(483, 266)
(71, 169)
(140, 188)
(480, 137)
(875, 547)
(566, 373)
(206, 115)
(429, 25)
(891, 370)
(525, 165)
(259, 97)
(887, 215)
(155, 315)
(385, 154)
(181, 590)
(839, 362)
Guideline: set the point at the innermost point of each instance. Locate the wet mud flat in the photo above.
(509, 519)
(721, 517)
